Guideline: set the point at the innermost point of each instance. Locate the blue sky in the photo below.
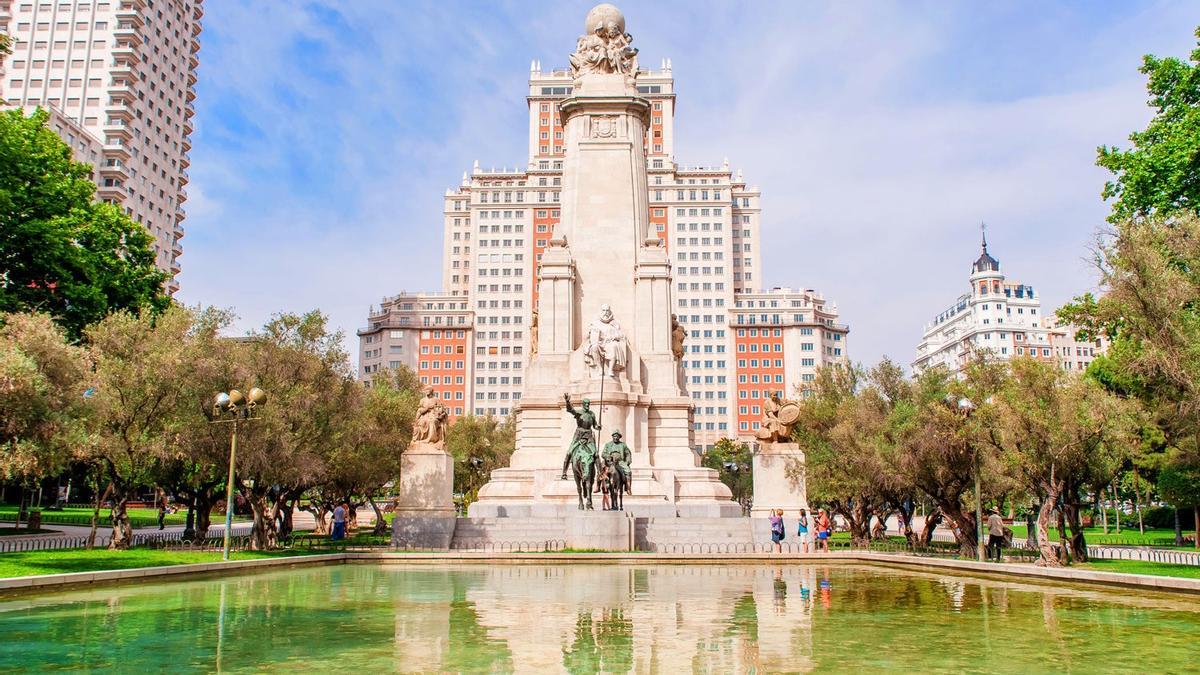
(881, 134)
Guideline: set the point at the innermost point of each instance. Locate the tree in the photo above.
(945, 446)
(60, 252)
(837, 429)
(42, 386)
(1161, 173)
(1150, 310)
(307, 376)
(735, 467)
(377, 429)
(196, 473)
(479, 445)
(140, 361)
(1058, 433)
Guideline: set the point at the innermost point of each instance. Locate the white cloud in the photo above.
(880, 133)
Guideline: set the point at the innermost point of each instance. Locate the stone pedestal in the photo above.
(603, 530)
(773, 488)
(425, 515)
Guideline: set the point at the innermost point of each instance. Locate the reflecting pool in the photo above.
(597, 618)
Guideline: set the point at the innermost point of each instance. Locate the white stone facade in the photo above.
(118, 77)
(1000, 318)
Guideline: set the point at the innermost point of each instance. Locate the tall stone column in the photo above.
(602, 253)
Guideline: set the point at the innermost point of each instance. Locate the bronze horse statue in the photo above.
(615, 485)
(583, 469)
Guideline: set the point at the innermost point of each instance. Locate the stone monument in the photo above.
(425, 514)
(776, 455)
(604, 326)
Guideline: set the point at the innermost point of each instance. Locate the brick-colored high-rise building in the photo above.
(429, 333)
(118, 78)
(498, 223)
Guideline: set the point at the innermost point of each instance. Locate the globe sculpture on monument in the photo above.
(605, 331)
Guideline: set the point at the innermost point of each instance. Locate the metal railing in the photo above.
(51, 543)
(493, 546)
(1154, 555)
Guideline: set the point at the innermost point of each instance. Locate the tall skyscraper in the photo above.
(118, 78)
(498, 223)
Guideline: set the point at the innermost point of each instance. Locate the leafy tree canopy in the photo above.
(60, 252)
(1161, 172)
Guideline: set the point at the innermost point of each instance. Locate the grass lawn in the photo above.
(1128, 537)
(1142, 567)
(83, 516)
(81, 560)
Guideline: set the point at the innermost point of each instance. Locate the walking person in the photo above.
(777, 531)
(995, 527)
(802, 530)
(162, 510)
(824, 530)
(339, 523)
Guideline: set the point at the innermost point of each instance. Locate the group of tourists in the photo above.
(821, 525)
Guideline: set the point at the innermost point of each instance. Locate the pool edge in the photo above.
(1020, 571)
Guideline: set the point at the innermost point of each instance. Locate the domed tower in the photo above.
(986, 278)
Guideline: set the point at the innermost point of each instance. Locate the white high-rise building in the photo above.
(118, 78)
(1000, 318)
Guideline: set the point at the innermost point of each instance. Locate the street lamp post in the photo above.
(967, 407)
(240, 407)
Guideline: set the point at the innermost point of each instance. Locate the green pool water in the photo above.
(597, 618)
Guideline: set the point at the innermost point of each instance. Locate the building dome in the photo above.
(985, 262)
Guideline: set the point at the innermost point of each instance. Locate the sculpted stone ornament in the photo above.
(533, 333)
(678, 334)
(604, 350)
(778, 418)
(605, 47)
(431, 423)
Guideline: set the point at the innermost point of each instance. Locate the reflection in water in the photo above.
(593, 618)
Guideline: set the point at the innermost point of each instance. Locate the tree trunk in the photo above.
(1117, 506)
(122, 535)
(318, 510)
(1065, 545)
(1137, 502)
(91, 540)
(1196, 517)
(1178, 529)
(204, 502)
(1031, 537)
(858, 518)
(1103, 511)
(262, 533)
(380, 522)
(879, 528)
(904, 516)
(932, 520)
(286, 510)
(1071, 508)
(1049, 557)
(965, 534)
